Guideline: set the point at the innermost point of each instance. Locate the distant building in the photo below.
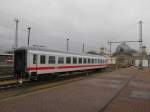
(92, 52)
(101, 51)
(104, 51)
(126, 56)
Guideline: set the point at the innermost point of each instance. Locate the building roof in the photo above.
(124, 48)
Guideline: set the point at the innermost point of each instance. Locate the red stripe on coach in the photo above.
(61, 67)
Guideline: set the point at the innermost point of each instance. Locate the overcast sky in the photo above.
(93, 22)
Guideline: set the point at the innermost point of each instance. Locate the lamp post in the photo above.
(16, 33)
(140, 45)
(83, 48)
(29, 28)
(67, 44)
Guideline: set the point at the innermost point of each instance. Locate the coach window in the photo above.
(98, 60)
(60, 60)
(74, 60)
(51, 60)
(84, 60)
(80, 60)
(68, 60)
(92, 60)
(42, 59)
(106, 61)
(34, 58)
(88, 60)
(95, 60)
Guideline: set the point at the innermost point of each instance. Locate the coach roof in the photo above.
(56, 51)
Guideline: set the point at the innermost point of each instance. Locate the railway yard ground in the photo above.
(122, 90)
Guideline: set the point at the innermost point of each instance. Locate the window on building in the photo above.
(80, 60)
(34, 59)
(84, 60)
(42, 59)
(68, 60)
(51, 60)
(74, 60)
(60, 60)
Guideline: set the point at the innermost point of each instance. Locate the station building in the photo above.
(126, 56)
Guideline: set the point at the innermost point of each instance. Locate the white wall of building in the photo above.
(111, 60)
(143, 62)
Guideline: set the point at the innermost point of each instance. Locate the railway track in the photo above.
(10, 83)
(48, 81)
(8, 86)
(4, 78)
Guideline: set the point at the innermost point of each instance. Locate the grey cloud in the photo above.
(92, 22)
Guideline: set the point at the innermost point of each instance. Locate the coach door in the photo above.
(19, 61)
(34, 73)
(35, 61)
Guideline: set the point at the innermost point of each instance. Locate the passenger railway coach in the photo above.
(32, 62)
